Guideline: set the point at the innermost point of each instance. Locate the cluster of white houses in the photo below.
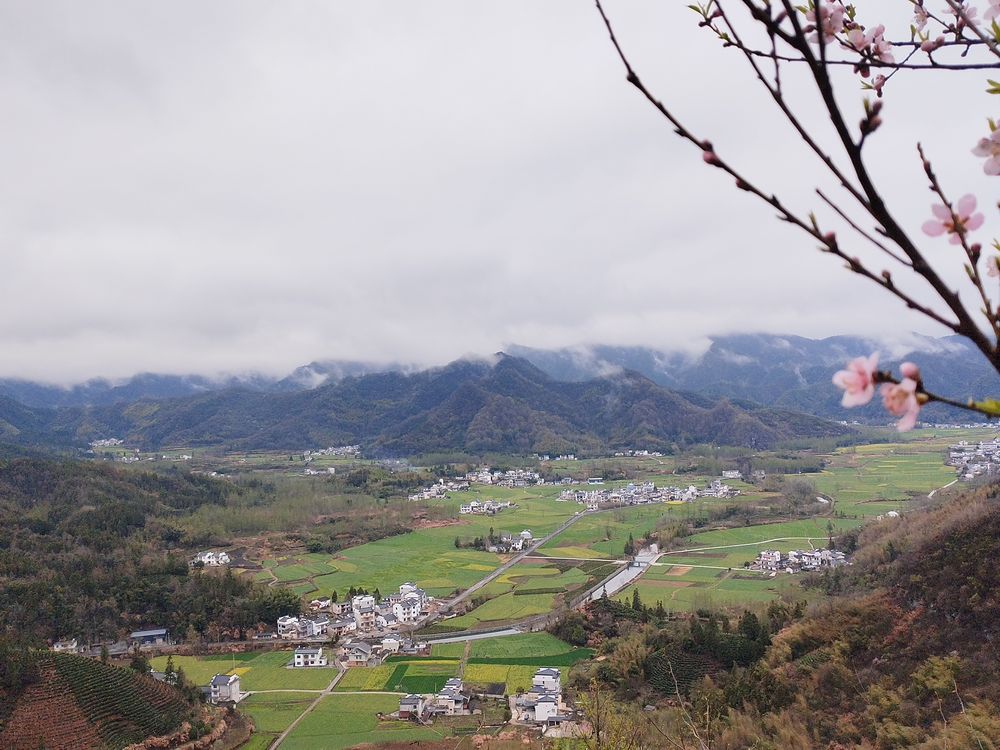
(485, 507)
(341, 451)
(210, 559)
(798, 560)
(362, 614)
(973, 460)
(509, 478)
(645, 493)
(542, 705)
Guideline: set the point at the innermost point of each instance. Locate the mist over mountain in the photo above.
(790, 372)
(503, 405)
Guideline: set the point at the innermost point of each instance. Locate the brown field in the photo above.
(679, 570)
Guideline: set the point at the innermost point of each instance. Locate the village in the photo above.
(645, 493)
(972, 460)
(798, 561)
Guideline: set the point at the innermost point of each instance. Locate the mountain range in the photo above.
(790, 372)
(506, 404)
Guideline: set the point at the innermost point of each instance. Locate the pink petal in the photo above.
(966, 205)
(933, 228)
(974, 222)
(992, 166)
(983, 148)
(909, 419)
(954, 239)
(941, 211)
(859, 398)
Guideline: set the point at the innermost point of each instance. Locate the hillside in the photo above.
(904, 656)
(90, 550)
(509, 406)
(69, 702)
(790, 372)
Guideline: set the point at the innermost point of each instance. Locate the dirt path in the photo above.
(465, 659)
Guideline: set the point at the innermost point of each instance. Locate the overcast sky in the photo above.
(230, 186)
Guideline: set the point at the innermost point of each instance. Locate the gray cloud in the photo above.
(231, 186)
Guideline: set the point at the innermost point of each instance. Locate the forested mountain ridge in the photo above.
(790, 372)
(509, 406)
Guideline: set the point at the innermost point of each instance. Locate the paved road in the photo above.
(476, 636)
(509, 564)
(325, 692)
(931, 494)
(624, 577)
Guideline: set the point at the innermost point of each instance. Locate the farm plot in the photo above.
(342, 721)
(400, 676)
(259, 671)
(688, 588)
(532, 587)
(429, 557)
(272, 713)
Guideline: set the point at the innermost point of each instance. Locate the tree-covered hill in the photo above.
(91, 551)
(506, 406)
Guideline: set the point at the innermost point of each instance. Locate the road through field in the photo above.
(535, 544)
(328, 690)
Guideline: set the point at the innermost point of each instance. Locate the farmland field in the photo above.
(342, 721)
(272, 713)
(427, 556)
(532, 587)
(260, 671)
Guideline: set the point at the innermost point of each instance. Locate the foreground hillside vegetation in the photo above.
(900, 652)
(65, 702)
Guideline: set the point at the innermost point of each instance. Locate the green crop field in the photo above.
(343, 721)
(684, 588)
(427, 556)
(260, 671)
(272, 713)
(525, 644)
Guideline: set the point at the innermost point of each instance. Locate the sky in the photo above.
(240, 186)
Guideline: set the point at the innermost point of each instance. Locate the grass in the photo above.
(272, 714)
(343, 721)
(428, 556)
(525, 644)
(258, 671)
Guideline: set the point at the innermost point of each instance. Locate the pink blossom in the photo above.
(900, 400)
(877, 83)
(990, 148)
(910, 370)
(830, 15)
(956, 224)
(857, 381)
(872, 41)
(920, 17)
(929, 45)
(993, 266)
(993, 11)
(968, 11)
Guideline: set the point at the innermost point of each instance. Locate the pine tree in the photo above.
(636, 600)
(169, 672)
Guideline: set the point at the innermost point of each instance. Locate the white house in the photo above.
(288, 626)
(546, 679)
(69, 646)
(526, 535)
(411, 707)
(451, 701)
(309, 657)
(224, 688)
